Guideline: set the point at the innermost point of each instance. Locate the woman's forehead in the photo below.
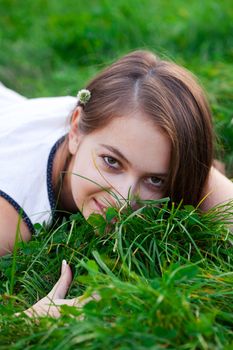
(139, 140)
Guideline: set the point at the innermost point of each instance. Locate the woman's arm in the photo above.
(10, 222)
(218, 189)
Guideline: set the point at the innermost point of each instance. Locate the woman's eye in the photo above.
(154, 181)
(111, 162)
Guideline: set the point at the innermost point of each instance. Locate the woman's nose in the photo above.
(127, 191)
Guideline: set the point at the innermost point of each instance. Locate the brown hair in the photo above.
(170, 96)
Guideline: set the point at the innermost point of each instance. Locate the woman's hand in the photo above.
(50, 305)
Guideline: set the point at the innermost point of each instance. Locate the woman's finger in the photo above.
(78, 302)
(61, 287)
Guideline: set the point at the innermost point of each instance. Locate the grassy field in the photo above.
(164, 274)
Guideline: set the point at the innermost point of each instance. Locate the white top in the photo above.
(29, 128)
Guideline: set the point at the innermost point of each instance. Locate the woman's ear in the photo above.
(74, 133)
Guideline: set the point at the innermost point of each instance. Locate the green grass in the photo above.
(46, 44)
(164, 274)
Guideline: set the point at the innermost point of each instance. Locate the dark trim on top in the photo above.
(19, 209)
(51, 194)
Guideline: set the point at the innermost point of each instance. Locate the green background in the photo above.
(51, 47)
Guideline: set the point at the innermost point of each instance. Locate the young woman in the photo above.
(142, 129)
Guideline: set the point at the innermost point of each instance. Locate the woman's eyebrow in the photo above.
(116, 151)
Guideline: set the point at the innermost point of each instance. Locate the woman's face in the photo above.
(129, 157)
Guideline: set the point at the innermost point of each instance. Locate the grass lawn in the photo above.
(164, 276)
(164, 273)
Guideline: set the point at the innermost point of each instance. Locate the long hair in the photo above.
(171, 97)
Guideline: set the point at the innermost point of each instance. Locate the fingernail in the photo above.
(63, 266)
(96, 296)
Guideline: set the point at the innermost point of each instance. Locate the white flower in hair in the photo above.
(84, 96)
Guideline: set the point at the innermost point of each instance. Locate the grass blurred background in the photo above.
(51, 47)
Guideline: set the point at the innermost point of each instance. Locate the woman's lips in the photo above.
(100, 207)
